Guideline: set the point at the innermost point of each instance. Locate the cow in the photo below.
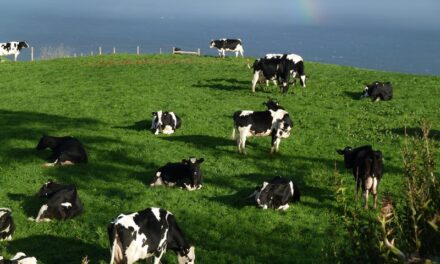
(276, 194)
(367, 166)
(298, 65)
(185, 174)
(7, 225)
(275, 69)
(147, 233)
(12, 48)
(66, 150)
(223, 45)
(261, 123)
(62, 202)
(165, 122)
(378, 91)
(19, 258)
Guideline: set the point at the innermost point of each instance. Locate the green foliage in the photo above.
(106, 102)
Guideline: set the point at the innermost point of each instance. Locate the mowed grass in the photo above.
(107, 101)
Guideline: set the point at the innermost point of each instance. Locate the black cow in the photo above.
(147, 233)
(298, 66)
(379, 91)
(12, 48)
(367, 166)
(7, 225)
(223, 45)
(261, 123)
(66, 150)
(276, 194)
(19, 258)
(62, 202)
(165, 122)
(276, 69)
(186, 174)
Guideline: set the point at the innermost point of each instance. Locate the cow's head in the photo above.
(186, 256)
(49, 188)
(193, 165)
(271, 104)
(262, 198)
(284, 127)
(369, 89)
(212, 44)
(22, 44)
(347, 152)
(45, 142)
(156, 123)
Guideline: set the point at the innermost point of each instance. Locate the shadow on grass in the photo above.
(230, 84)
(52, 249)
(353, 95)
(30, 203)
(203, 141)
(143, 125)
(416, 132)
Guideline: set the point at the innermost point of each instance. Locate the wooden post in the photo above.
(91, 53)
(160, 51)
(172, 51)
(198, 51)
(32, 53)
(114, 50)
(100, 51)
(137, 50)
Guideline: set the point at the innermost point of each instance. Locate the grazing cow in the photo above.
(275, 69)
(276, 194)
(379, 91)
(7, 226)
(19, 258)
(66, 150)
(62, 202)
(298, 65)
(145, 234)
(186, 174)
(165, 122)
(223, 45)
(12, 48)
(261, 123)
(367, 168)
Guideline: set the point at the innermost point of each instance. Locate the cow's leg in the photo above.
(275, 144)
(223, 53)
(15, 56)
(366, 199)
(374, 191)
(242, 140)
(255, 80)
(49, 164)
(236, 54)
(41, 214)
(157, 257)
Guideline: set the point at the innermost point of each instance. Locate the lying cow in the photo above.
(7, 226)
(275, 69)
(298, 65)
(12, 48)
(147, 233)
(261, 123)
(186, 174)
(165, 122)
(66, 150)
(223, 45)
(379, 91)
(276, 194)
(367, 168)
(62, 202)
(19, 258)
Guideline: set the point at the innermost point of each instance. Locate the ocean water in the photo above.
(350, 42)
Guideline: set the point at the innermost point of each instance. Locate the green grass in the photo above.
(107, 101)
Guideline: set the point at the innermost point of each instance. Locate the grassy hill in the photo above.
(107, 102)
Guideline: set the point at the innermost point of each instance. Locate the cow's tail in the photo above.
(115, 244)
(233, 133)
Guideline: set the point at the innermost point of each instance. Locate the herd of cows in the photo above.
(150, 232)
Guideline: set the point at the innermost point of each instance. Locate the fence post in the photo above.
(91, 53)
(100, 51)
(32, 53)
(114, 50)
(172, 51)
(74, 55)
(198, 51)
(160, 50)
(137, 50)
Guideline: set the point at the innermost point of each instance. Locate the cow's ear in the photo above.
(184, 161)
(340, 151)
(200, 160)
(153, 113)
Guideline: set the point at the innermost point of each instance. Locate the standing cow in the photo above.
(223, 45)
(378, 91)
(367, 166)
(12, 48)
(165, 122)
(147, 233)
(276, 124)
(275, 69)
(298, 65)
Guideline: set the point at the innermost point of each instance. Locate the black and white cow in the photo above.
(66, 150)
(62, 202)
(165, 122)
(147, 233)
(223, 45)
(19, 258)
(298, 65)
(12, 48)
(276, 194)
(379, 91)
(367, 166)
(261, 123)
(7, 225)
(275, 69)
(186, 174)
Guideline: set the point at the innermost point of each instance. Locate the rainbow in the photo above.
(308, 11)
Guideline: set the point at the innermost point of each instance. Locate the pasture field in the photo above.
(106, 102)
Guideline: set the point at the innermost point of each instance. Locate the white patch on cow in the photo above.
(291, 187)
(7, 229)
(156, 212)
(41, 212)
(188, 258)
(246, 112)
(258, 193)
(294, 57)
(283, 207)
(157, 122)
(4, 211)
(189, 188)
(303, 79)
(66, 204)
(127, 221)
(168, 130)
(193, 160)
(255, 80)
